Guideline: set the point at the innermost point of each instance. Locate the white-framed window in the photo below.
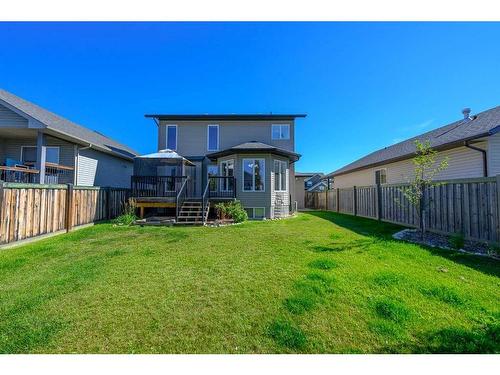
(280, 168)
(254, 171)
(280, 131)
(227, 170)
(28, 154)
(381, 176)
(172, 137)
(213, 137)
(256, 212)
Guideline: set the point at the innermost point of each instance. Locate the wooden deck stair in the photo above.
(191, 213)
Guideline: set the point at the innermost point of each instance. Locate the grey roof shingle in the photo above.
(59, 124)
(254, 146)
(482, 124)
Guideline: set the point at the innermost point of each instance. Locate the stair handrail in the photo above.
(181, 193)
(203, 199)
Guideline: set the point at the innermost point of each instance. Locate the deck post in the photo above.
(41, 153)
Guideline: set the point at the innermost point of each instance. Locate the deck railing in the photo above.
(181, 197)
(54, 174)
(221, 187)
(156, 186)
(18, 174)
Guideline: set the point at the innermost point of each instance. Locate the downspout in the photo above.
(485, 159)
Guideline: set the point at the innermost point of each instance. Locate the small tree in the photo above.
(425, 169)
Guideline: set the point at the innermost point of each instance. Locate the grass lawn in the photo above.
(318, 283)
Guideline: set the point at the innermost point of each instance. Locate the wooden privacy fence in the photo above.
(30, 210)
(467, 206)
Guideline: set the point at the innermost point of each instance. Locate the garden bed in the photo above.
(447, 242)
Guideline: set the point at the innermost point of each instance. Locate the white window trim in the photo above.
(208, 137)
(176, 135)
(253, 183)
(286, 180)
(375, 174)
(34, 146)
(253, 213)
(221, 169)
(280, 139)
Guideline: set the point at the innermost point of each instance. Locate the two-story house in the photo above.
(203, 159)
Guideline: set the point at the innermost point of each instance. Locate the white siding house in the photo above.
(472, 146)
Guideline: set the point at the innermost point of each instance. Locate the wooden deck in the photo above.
(152, 202)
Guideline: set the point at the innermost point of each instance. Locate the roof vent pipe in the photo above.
(466, 113)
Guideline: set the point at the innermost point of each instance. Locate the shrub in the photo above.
(221, 210)
(236, 211)
(127, 217)
(457, 241)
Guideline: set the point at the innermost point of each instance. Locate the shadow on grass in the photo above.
(383, 231)
(359, 225)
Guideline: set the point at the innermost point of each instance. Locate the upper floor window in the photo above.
(213, 137)
(280, 131)
(28, 154)
(172, 137)
(280, 175)
(381, 176)
(254, 171)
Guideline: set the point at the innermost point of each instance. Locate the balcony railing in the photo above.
(156, 186)
(54, 174)
(18, 174)
(221, 187)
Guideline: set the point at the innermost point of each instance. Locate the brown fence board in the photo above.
(30, 210)
(466, 206)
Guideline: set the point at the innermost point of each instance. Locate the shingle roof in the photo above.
(481, 125)
(254, 146)
(226, 117)
(308, 174)
(61, 125)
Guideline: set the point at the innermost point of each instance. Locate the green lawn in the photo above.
(317, 283)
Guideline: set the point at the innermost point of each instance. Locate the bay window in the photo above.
(254, 171)
(280, 175)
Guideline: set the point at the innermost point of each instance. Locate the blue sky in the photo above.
(363, 85)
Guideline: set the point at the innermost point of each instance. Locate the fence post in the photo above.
(326, 199)
(108, 203)
(69, 207)
(338, 199)
(378, 192)
(354, 201)
(498, 207)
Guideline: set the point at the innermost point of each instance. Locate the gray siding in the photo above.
(11, 148)
(96, 168)
(10, 119)
(192, 135)
(299, 184)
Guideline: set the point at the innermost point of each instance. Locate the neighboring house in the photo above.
(304, 181)
(39, 146)
(246, 157)
(471, 144)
